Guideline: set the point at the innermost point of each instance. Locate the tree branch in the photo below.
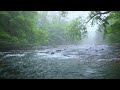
(97, 14)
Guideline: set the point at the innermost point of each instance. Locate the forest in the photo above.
(36, 28)
(33, 28)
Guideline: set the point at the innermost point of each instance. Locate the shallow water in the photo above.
(62, 62)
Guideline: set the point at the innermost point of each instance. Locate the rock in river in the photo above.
(52, 53)
(58, 50)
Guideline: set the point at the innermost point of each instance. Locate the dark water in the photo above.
(63, 62)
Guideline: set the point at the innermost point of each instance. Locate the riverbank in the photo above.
(25, 47)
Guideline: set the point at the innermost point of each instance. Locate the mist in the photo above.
(93, 35)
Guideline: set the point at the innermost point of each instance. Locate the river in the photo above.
(86, 61)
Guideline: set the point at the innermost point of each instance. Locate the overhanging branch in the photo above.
(98, 12)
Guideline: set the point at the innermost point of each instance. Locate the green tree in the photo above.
(76, 30)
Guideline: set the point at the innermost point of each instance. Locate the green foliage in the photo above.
(19, 28)
(32, 28)
(76, 30)
(109, 23)
(113, 29)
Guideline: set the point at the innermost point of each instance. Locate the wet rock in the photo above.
(58, 50)
(102, 49)
(96, 50)
(47, 52)
(52, 53)
(1, 53)
(90, 48)
(86, 49)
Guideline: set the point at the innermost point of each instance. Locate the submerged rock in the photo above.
(96, 50)
(47, 52)
(1, 53)
(52, 53)
(58, 50)
(102, 49)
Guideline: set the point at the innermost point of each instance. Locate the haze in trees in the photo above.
(37, 28)
(33, 28)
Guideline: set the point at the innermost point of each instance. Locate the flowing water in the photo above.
(63, 62)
